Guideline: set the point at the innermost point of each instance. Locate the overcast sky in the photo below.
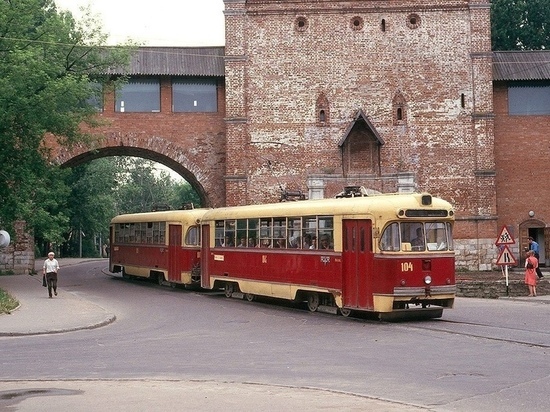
(157, 22)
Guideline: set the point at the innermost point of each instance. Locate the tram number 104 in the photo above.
(406, 267)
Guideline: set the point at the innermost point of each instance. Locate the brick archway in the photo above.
(183, 161)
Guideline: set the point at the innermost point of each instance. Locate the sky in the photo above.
(158, 22)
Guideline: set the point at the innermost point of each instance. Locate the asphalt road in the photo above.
(191, 350)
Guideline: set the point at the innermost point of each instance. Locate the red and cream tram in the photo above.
(163, 246)
(391, 254)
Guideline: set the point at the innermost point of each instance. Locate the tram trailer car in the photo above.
(162, 246)
(391, 254)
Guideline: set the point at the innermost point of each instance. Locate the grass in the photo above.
(7, 302)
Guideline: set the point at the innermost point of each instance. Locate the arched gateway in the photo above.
(171, 111)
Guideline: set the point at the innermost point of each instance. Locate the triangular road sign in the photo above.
(505, 238)
(506, 257)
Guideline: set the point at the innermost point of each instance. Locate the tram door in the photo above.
(174, 254)
(205, 255)
(357, 254)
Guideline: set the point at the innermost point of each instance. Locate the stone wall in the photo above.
(494, 289)
(18, 257)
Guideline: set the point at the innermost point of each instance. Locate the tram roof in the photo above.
(374, 204)
(167, 215)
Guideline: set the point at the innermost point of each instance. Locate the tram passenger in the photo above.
(251, 242)
(265, 243)
(313, 242)
(280, 243)
(226, 242)
(242, 242)
(307, 241)
(325, 242)
(294, 242)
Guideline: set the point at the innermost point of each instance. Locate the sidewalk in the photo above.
(37, 314)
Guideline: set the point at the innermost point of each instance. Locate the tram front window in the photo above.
(416, 237)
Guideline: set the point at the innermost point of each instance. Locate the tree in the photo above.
(520, 24)
(91, 206)
(48, 65)
(142, 189)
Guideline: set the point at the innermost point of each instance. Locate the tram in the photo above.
(162, 246)
(389, 254)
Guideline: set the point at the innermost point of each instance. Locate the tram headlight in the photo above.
(427, 279)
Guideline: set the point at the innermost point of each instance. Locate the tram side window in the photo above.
(266, 232)
(390, 238)
(162, 232)
(279, 232)
(450, 236)
(309, 232)
(325, 234)
(294, 232)
(119, 233)
(220, 233)
(126, 233)
(242, 238)
(139, 236)
(149, 233)
(192, 236)
(252, 234)
(156, 232)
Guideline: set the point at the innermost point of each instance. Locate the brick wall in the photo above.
(369, 56)
(521, 153)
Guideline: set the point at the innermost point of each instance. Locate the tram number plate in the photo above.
(406, 267)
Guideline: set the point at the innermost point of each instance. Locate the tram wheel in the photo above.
(160, 279)
(124, 274)
(313, 301)
(229, 289)
(249, 297)
(345, 312)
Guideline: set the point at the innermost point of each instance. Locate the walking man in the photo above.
(51, 267)
(534, 246)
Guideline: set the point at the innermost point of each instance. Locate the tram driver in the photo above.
(418, 242)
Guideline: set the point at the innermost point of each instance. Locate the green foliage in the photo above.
(520, 24)
(91, 205)
(185, 194)
(47, 62)
(7, 302)
(142, 189)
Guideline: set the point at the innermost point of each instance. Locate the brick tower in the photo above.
(390, 95)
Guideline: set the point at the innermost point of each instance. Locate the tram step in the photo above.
(328, 309)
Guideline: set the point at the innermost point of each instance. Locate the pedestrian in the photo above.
(534, 246)
(50, 268)
(531, 263)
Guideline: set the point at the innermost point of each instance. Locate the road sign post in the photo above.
(505, 257)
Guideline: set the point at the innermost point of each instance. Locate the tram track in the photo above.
(507, 334)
